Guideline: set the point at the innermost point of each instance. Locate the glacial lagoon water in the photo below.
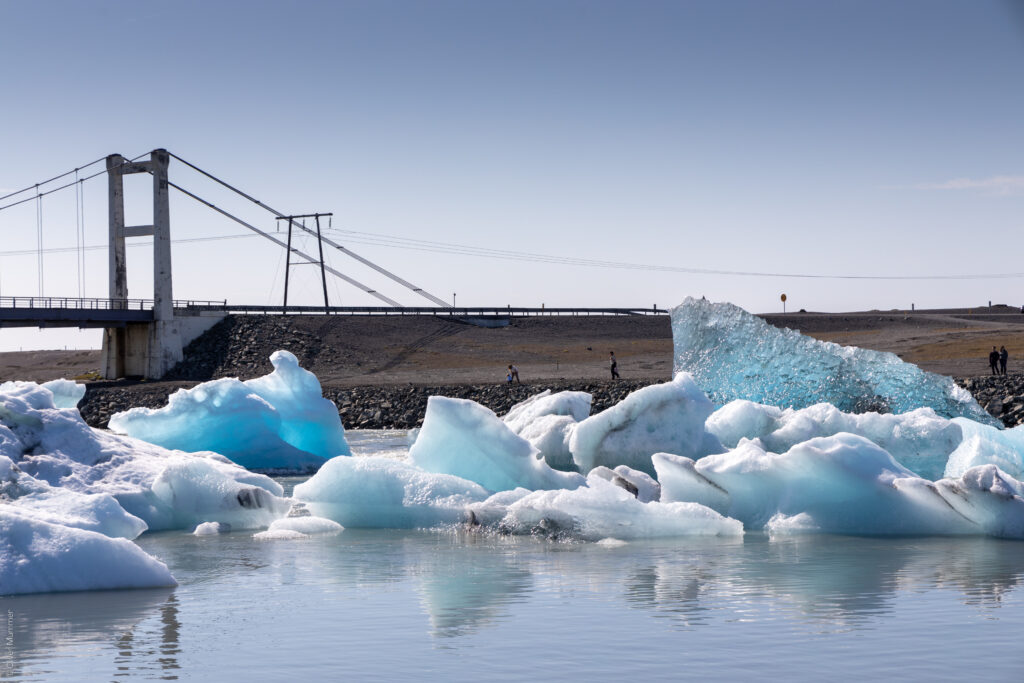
(463, 606)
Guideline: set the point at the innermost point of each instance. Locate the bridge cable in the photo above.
(78, 234)
(46, 182)
(39, 241)
(332, 271)
(348, 252)
(82, 253)
(62, 187)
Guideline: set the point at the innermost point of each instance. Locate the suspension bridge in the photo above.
(146, 337)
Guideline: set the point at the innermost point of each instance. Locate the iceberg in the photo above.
(735, 355)
(920, 440)
(602, 510)
(374, 492)
(280, 421)
(546, 420)
(66, 393)
(36, 499)
(842, 484)
(298, 528)
(40, 557)
(666, 418)
(465, 439)
(57, 448)
(645, 487)
(983, 445)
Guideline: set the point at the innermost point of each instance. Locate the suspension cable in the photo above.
(348, 252)
(56, 177)
(332, 271)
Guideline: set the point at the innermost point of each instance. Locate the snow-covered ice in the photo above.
(602, 510)
(546, 420)
(984, 445)
(735, 355)
(297, 528)
(280, 421)
(468, 440)
(920, 440)
(56, 447)
(40, 557)
(842, 484)
(372, 492)
(662, 418)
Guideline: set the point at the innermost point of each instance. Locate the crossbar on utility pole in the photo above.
(320, 243)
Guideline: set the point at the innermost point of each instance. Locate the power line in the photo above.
(392, 241)
(103, 247)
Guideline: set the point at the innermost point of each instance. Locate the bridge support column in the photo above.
(146, 349)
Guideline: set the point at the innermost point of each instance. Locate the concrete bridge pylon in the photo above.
(148, 349)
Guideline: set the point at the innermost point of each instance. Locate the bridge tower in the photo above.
(146, 349)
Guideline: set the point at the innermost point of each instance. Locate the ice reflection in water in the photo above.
(463, 605)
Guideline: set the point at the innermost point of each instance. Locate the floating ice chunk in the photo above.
(465, 439)
(663, 418)
(194, 492)
(57, 447)
(982, 445)
(277, 422)
(33, 498)
(733, 354)
(546, 420)
(602, 510)
(920, 440)
(574, 404)
(842, 484)
(640, 484)
(369, 492)
(212, 529)
(309, 525)
(39, 557)
(66, 393)
(280, 535)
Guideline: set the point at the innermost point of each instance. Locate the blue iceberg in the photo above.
(735, 355)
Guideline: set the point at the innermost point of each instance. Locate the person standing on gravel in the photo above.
(993, 361)
(513, 372)
(1003, 356)
(614, 365)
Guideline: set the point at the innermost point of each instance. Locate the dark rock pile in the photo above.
(1001, 395)
(370, 407)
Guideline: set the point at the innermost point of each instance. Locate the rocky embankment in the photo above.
(371, 407)
(402, 407)
(1001, 395)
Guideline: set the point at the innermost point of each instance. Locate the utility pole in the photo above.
(288, 255)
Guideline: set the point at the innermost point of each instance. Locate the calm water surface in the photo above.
(451, 605)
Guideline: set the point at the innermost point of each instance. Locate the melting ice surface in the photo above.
(277, 422)
(735, 355)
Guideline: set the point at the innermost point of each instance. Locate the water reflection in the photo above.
(36, 629)
(374, 588)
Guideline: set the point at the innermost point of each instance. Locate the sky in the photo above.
(493, 151)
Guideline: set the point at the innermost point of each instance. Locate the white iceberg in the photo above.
(280, 421)
(66, 393)
(39, 557)
(645, 487)
(842, 484)
(735, 355)
(601, 510)
(983, 445)
(663, 418)
(919, 440)
(546, 420)
(372, 492)
(465, 439)
(298, 528)
(38, 500)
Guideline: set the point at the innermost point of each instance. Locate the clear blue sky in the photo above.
(831, 138)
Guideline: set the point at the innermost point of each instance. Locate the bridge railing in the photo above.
(461, 312)
(97, 304)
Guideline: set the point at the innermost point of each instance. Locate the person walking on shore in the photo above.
(993, 361)
(513, 372)
(614, 365)
(1003, 356)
